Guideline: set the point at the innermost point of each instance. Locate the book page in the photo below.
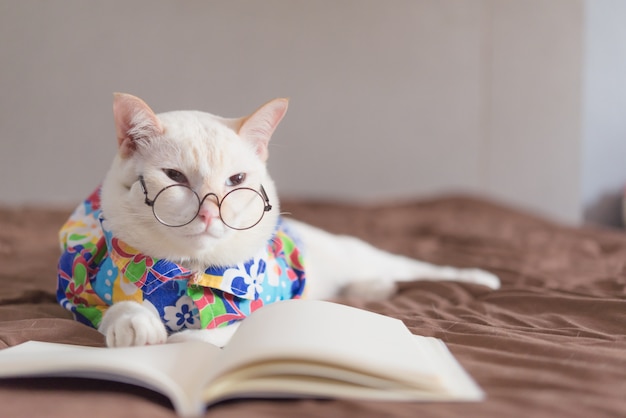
(175, 370)
(331, 334)
(458, 383)
(294, 349)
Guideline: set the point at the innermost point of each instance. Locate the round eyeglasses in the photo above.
(178, 205)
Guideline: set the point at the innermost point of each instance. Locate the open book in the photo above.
(296, 348)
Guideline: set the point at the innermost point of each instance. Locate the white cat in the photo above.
(189, 192)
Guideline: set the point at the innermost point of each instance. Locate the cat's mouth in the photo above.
(215, 230)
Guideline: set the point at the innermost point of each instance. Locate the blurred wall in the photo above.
(604, 105)
(397, 99)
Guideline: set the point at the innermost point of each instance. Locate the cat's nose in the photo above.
(208, 213)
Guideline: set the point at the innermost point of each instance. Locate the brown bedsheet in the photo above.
(550, 343)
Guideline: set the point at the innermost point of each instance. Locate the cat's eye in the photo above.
(236, 179)
(176, 175)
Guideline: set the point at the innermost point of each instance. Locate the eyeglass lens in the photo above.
(178, 205)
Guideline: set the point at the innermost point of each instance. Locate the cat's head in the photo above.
(199, 153)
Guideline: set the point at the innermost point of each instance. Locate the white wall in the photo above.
(388, 99)
(535, 89)
(604, 151)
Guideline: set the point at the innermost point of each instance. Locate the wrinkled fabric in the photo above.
(549, 344)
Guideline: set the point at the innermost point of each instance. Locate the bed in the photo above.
(550, 343)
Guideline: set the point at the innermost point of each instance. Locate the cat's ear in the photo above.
(134, 122)
(259, 126)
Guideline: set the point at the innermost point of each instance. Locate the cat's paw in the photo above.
(216, 336)
(481, 277)
(127, 324)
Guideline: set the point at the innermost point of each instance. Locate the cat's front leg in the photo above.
(129, 323)
(216, 336)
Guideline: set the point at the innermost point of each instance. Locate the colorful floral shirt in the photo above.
(96, 270)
